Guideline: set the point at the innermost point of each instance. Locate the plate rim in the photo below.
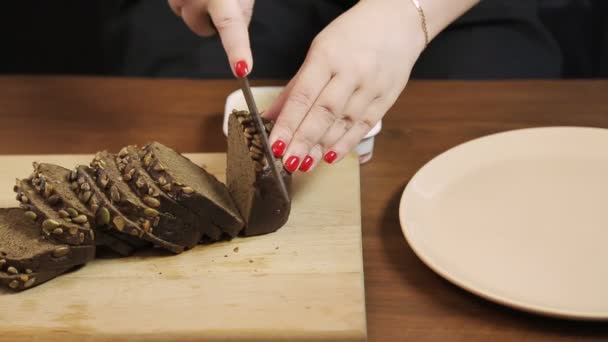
(465, 285)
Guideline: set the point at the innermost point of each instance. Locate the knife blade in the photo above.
(259, 125)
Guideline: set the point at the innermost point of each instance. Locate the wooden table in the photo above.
(405, 300)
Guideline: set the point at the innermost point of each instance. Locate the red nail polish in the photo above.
(306, 164)
(241, 69)
(292, 163)
(330, 156)
(278, 148)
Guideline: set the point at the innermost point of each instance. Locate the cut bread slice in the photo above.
(66, 202)
(167, 227)
(24, 251)
(251, 181)
(144, 186)
(192, 187)
(53, 225)
(108, 214)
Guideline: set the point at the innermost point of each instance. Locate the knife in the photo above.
(259, 125)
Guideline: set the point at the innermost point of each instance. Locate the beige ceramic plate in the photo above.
(520, 218)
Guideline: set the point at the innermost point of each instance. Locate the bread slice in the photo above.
(53, 225)
(108, 214)
(24, 281)
(251, 181)
(133, 172)
(65, 201)
(193, 187)
(168, 227)
(25, 252)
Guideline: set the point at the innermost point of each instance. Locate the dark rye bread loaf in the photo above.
(24, 252)
(53, 225)
(168, 227)
(193, 187)
(251, 181)
(65, 201)
(133, 172)
(107, 214)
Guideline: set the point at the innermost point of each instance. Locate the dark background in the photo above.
(497, 39)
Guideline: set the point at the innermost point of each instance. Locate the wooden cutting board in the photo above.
(304, 282)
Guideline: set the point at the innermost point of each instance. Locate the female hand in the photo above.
(230, 18)
(353, 73)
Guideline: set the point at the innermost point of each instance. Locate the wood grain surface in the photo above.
(405, 300)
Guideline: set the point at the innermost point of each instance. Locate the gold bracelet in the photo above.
(422, 21)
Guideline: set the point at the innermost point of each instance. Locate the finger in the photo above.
(273, 111)
(353, 110)
(176, 7)
(304, 92)
(321, 116)
(312, 159)
(194, 14)
(357, 132)
(229, 20)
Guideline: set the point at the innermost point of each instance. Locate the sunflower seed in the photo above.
(28, 271)
(67, 219)
(2, 262)
(151, 201)
(31, 215)
(14, 284)
(48, 190)
(57, 231)
(147, 159)
(61, 251)
(140, 182)
(123, 152)
(255, 156)
(162, 180)
(103, 216)
(72, 212)
(53, 199)
(129, 175)
(80, 219)
(73, 175)
(151, 212)
(114, 194)
(134, 232)
(166, 187)
(50, 224)
(119, 223)
(187, 190)
(29, 283)
(24, 277)
(145, 225)
(12, 270)
(86, 196)
(63, 213)
(103, 181)
(24, 199)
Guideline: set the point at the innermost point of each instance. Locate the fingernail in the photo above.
(330, 156)
(278, 148)
(306, 164)
(292, 163)
(241, 69)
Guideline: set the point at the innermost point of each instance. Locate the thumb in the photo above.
(231, 25)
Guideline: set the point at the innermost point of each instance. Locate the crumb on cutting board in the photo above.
(236, 249)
